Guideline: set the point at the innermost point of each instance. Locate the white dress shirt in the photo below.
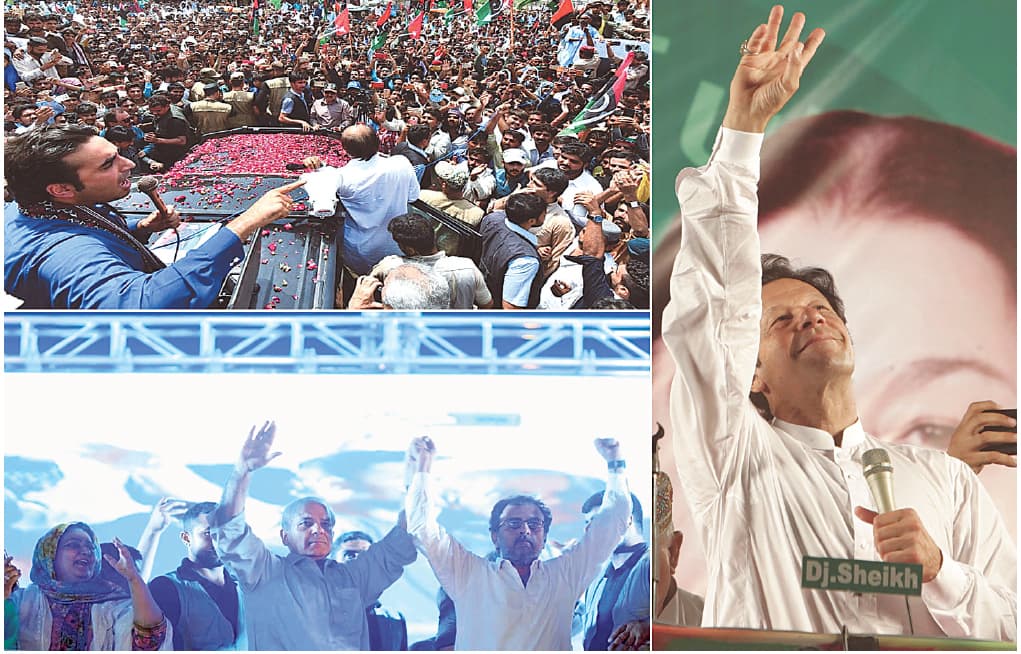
(373, 192)
(765, 495)
(495, 610)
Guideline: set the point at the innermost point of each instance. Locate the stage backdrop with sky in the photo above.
(104, 448)
(920, 235)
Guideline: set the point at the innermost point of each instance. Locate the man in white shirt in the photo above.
(766, 494)
(516, 602)
(374, 189)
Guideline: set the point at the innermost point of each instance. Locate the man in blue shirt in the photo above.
(510, 255)
(305, 600)
(65, 248)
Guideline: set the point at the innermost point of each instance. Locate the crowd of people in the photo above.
(529, 123)
(232, 591)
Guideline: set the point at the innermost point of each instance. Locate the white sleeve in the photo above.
(974, 595)
(450, 561)
(602, 534)
(711, 325)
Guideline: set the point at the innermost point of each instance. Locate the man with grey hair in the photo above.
(410, 286)
(305, 600)
(415, 237)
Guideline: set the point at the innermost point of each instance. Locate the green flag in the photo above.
(275, 3)
(379, 41)
(324, 39)
(483, 13)
(449, 15)
(521, 4)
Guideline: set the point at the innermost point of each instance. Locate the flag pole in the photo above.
(511, 53)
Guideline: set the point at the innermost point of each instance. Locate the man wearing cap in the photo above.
(207, 76)
(450, 197)
(512, 175)
(296, 105)
(211, 113)
(39, 60)
(246, 113)
(330, 111)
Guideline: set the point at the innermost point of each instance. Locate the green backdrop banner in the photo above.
(943, 60)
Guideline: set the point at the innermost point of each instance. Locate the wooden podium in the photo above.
(668, 637)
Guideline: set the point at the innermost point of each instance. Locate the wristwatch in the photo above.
(634, 204)
(596, 218)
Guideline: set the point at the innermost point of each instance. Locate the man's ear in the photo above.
(61, 191)
(186, 538)
(283, 537)
(622, 291)
(492, 535)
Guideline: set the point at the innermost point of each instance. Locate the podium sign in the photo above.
(861, 576)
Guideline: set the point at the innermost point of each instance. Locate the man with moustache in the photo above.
(516, 602)
(764, 410)
(200, 597)
(305, 600)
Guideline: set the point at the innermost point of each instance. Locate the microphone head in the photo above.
(878, 456)
(147, 184)
(877, 460)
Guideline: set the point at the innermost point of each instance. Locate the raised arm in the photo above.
(148, 618)
(255, 454)
(769, 73)
(711, 325)
(451, 563)
(608, 523)
(162, 514)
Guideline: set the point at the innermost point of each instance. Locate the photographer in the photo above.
(167, 141)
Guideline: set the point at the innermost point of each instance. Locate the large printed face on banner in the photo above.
(915, 218)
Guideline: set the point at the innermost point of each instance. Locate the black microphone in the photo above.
(879, 476)
(148, 186)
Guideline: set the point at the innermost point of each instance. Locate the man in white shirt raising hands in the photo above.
(516, 602)
(780, 479)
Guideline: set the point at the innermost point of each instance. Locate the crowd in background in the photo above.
(485, 100)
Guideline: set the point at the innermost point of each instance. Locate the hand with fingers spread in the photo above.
(255, 453)
(165, 511)
(901, 537)
(770, 73)
(123, 564)
(968, 439)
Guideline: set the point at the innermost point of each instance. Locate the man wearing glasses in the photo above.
(516, 602)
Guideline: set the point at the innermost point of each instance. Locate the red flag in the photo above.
(343, 20)
(468, 6)
(415, 26)
(386, 15)
(565, 10)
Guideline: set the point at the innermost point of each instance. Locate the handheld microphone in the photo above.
(148, 186)
(879, 476)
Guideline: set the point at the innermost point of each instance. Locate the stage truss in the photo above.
(581, 343)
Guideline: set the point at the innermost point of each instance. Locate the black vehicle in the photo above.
(294, 263)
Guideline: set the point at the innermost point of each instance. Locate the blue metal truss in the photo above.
(582, 343)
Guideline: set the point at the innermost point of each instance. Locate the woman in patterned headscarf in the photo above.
(70, 606)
